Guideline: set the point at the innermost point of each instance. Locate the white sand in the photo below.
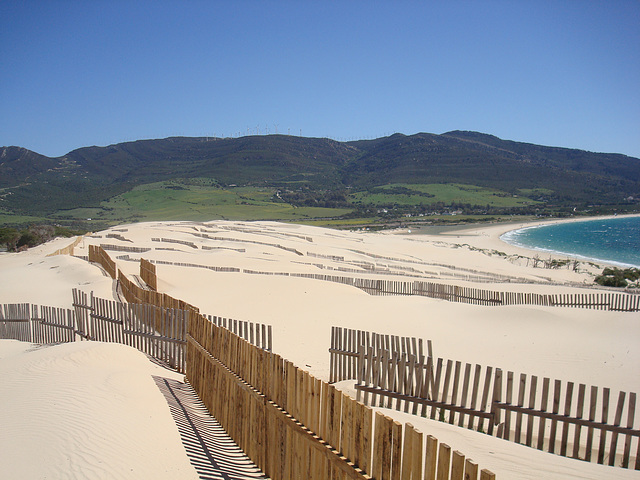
(585, 346)
(85, 410)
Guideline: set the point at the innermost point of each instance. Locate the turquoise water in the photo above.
(614, 240)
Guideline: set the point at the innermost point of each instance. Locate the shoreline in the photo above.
(498, 230)
(577, 256)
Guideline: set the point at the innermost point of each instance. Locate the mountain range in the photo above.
(31, 183)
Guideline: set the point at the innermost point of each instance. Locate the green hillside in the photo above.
(288, 177)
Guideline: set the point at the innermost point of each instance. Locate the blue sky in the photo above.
(563, 73)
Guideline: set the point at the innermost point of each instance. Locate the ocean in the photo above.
(613, 240)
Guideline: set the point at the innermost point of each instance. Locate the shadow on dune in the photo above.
(211, 451)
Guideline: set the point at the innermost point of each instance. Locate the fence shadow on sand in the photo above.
(213, 454)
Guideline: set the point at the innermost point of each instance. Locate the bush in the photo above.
(9, 237)
(618, 277)
(35, 235)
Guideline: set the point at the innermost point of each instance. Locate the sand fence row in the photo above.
(296, 426)
(551, 415)
(289, 423)
(611, 301)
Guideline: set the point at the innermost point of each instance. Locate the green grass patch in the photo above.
(535, 192)
(198, 201)
(8, 219)
(339, 222)
(431, 194)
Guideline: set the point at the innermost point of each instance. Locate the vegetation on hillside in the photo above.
(15, 240)
(294, 178)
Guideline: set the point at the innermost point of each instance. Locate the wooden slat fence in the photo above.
(148, 274)
(158, 332)
(97, 254)
(613, 301)
(15, 321)
(171, 240)
(345, 348)
(36, 324)
(257, 334)
(197, 265)
(68, 250)
(551, 415)
(136, 294)
(52, 325)
(295, 426)
(257, 396)
(227, 239)
(124, 248)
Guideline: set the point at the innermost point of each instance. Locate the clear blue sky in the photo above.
(79, 73)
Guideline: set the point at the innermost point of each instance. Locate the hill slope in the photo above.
(34, 184)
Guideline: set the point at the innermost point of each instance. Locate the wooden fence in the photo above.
(612, 301)
(345, 343)
(52, 325)
(550, 415)
(259, 397)
(30, 323)
(257, 334)
(15, 322)
(68, 250)
(133, 293)
(148, 274)
(294, 426)
(158, 332)
(97, 254)
(123, 248)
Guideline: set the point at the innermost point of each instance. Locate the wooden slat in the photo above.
(506, 434)
(616, 422)
(430, 464)
(630, 418)
(435, 392)
(521, 390)
(444, 462)
(532, 403)
(465, 392)
(604, 419)
(470, 470)
(457, 466)
(412, 454)
(567, 413)
(487, 475)
(396, 450)
(593, 398)
(454, 392)
(543, 408)
(579, 413)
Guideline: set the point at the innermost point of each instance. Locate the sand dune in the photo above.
(587, 346)
(85, 410)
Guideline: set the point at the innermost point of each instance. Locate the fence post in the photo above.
(497, 396)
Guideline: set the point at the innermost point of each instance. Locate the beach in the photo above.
(593, 347)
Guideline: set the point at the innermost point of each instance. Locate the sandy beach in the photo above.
(575, 344)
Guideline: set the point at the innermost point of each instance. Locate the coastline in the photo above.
(578, 256)
(496, 232)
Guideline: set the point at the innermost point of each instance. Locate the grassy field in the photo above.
(204, 200)
(430, 194)
(176, 201)
(7, 219)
